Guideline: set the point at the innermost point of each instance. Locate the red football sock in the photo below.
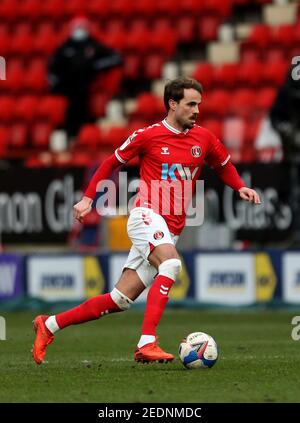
(156, 302)
(91, 309)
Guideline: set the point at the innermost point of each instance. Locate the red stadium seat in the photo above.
(14, 76)
(250, 73)
(138, 38)
(40, 134)
(144, 8)
(75, 8)
(4, 138)
(242, 102)
(163, 38)
(216, 103)
(185, 29)
(7, 107)
(5, 40)
(97, 104)
(208, 28)
(26, 108)
(122, 8)
(191, 7)
(115, 37)
(213, 125)
(22, 41)
(131, 66)
(265, 98)
(8, 9)
(146, 106)
(274, 74)
(153, 64)
(30, 9)
(18, 137)
(218, 7)
(98, 8)
(52, 109)
(53, 9)
(115, 136)
(45, 40)
(260, 36)
(204, 73)
(283, 35)
(35, 78)
(226, 75)
(89, 137)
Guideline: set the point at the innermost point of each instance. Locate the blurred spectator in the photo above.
(285, 116)
(74, 66)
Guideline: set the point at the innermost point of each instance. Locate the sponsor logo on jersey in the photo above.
(196, 151)
(184, 172)
(158, 235)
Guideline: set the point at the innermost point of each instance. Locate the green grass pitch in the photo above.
(259, 361)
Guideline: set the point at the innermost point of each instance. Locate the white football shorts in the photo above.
(146, 230)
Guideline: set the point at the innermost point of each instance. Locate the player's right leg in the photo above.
(119, 299)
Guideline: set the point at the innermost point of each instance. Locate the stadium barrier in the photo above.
(230, 278)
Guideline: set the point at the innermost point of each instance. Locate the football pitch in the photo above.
(258, 362)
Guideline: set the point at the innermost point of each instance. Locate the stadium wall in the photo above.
(233, 279)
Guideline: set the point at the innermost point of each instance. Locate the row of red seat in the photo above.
(57, 9)
(255, 74)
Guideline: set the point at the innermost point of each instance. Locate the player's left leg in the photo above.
(166, 259)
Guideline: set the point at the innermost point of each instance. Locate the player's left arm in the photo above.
(219, 159)
(229, 175)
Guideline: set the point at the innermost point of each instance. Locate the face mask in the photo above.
(79, 34)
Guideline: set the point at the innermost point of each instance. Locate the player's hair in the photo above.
(175, 89)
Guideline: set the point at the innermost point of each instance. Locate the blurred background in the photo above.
(77, 78)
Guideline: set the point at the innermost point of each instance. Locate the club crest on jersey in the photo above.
(158, 235)
(196, 151)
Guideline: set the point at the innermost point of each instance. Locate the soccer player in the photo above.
(173, 150)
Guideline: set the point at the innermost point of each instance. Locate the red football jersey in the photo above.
(170, 164)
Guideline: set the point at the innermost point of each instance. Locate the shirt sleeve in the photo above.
(133, 146)
(217, 154)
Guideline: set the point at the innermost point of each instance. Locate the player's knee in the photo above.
(122, 301)
(170, 268)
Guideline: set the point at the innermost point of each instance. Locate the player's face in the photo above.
(187, 110)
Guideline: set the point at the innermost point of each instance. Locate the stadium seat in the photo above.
(14, 76)
(18, 137)
(242, 102)
(35, 77)
(131, 66)
(97, 104)
(52, 109)
(250, 73)
(275, 73)
(54, 9)
(213, 125)
(40, 134)
(101, 9)
(226, 75)
(138, 38)
(121, 8)
(26, 108)
(22, 41)
(4, 138)
(75, 8)
(115, 37)
(260, 36)
(146, 106)
(185, 29)
(191, 7)
(45, 40)
(220, 8)
(208, 28)
(216, 103)
(114, 137)
(7, 107)
(8, 9)
(265, 98)
(30, 10)
(89, 137)
(204, 73)
(153, 64)
(283, 36)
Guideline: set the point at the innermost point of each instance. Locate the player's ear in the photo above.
(172, 104)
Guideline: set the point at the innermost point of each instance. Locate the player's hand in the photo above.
(82, 208)
(250, 195)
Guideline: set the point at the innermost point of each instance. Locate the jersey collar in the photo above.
(172, 129)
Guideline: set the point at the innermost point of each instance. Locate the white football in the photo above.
(198, 350)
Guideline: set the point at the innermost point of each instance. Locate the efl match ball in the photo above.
(198, 351)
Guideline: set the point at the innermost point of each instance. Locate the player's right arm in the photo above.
(129, 149)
